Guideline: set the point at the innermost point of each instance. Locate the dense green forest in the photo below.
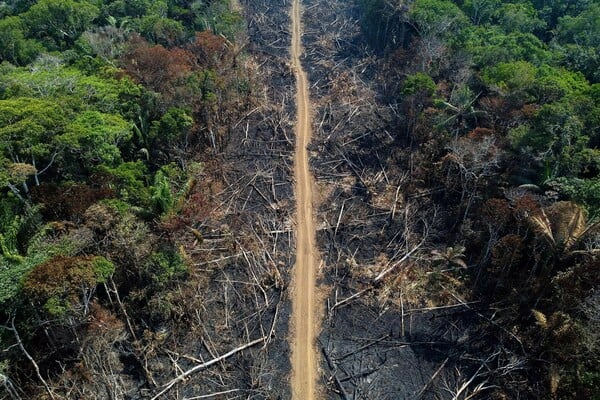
(105, 107)
(500, 105)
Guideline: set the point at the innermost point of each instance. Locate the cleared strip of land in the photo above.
(304, 353)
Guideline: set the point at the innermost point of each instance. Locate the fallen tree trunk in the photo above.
(207, 364)
(378, 278)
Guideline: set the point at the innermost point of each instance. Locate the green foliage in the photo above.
(119, 206)
(102, 92)
(131, 182)
(160, 30)
(514, 79)
(556, 136)
(205, 83)
(172, 186)
(56, 307)
(82, 148)
(169, 22)
(558, 126)
(36, 131)
(26, 244)
(438, 17)
(583, 29)
(588, 106)
(165, 267)
(13, 269)
(584, 191)
(218, 17)
(552, 10)
(103, 269)
(18, 222)
(11, 274)
(522, 81)
(580, 37)
(554, 83)
(94, 138)
(584, 59)
(162, 197)
(518, 17)
(480, 11)
(419, 83)
(158, 7)
(5, 10)
(170, 128)
(27, 126)
(14, 47)
(61, 283)
(489, 45)
(128, 8)
(9, 211)
(19, 6)
(47, 243)
(58, 23)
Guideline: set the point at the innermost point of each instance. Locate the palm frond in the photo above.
(540, 319)
(592, 228)
(560, 323)
(554, 376)
(542, 227)
(451, 255)
(569, 223)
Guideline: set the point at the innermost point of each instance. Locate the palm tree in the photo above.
(563, 226)
(461, 108)
(560, 231)
(450, 256)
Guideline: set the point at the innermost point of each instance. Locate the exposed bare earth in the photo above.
(304, 355)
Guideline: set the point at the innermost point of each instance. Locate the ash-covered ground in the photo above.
(380, 339)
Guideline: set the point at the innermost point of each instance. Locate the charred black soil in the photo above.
(380, 338)
(245, 254)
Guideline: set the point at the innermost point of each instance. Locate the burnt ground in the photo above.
(243, 259)
(247, 251)
(244, 251)
(241, 246)
(229, 308)
(384, 344)
(389, 342)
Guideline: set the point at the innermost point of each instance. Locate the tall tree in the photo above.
(58, 23)
(27, 130)
(14, 47)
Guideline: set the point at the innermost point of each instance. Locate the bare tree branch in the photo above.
(207, 364)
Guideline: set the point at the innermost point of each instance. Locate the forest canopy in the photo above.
(104, 109)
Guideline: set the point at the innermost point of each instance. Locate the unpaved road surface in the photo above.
(304, 300)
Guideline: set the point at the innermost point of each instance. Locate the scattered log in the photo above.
(366, 346)
(208, 396)
(207, 364)
(428, 384)
(333, 368)
(378, 278)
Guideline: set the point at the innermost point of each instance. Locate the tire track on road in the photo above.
(304, 299)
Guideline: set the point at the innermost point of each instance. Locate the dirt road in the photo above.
(304, 302)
